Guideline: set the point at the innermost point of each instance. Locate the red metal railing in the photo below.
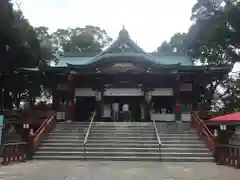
(204, 133)
(14, 152)
(228, 155)
(224, 154)
(42, 131)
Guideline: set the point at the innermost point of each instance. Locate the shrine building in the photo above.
(155, 87)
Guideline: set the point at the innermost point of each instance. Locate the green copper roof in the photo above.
(124, 49)
(166, 60)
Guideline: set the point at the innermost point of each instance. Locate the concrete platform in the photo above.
(105, 170)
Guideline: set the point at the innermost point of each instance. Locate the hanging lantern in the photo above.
(69, 77)
(98, 96)
(148, 96)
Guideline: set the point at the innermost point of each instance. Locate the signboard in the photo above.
(85, 92)
(1, 127)
(123, 92)
(123, 67)
(162, 92)
(186, 87)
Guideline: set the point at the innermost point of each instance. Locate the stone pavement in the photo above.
(95, 170)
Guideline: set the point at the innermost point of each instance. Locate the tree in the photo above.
(218, 46)
(177, 45)
(47, 49)
(212, 40)
(87, 39)
(19, 48)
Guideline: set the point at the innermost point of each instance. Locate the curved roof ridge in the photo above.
(124, 38)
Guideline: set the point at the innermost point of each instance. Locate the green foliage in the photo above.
(87, 39)
(213, 39)
(22, 46)
(178, 44)
(19, 48)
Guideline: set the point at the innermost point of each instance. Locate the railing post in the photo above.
(30, 145)
(4, 156)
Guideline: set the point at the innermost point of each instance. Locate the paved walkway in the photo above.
(91, 170)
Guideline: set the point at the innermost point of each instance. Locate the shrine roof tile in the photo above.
(165, 60)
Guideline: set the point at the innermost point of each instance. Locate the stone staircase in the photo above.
(124, 141)
(65, 142)
(181, 143)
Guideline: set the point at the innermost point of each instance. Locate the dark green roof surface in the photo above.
(122, 48)
(166, 60)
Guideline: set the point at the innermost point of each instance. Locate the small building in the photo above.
(155, 87)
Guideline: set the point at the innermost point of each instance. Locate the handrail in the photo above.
(92, 116)
(157, 135)
(46, 121)
(204, 132)
(37, 136)
(204, 125)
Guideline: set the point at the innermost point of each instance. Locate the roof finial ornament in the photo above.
(123, 33)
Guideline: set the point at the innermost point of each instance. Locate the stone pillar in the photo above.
(177, 95)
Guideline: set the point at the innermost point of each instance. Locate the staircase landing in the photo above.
(89, 170)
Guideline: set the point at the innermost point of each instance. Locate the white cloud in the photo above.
(149, 22)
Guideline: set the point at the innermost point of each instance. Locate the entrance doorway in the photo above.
(83, 108)
(134, 104)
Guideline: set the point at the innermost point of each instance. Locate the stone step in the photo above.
(96, 153)
(102, 141)
(122, 130)
(121, 134)
(73, 141)
(116, 140)
(80, 144)
(70, 129)
(134, 149)
(122, 127)
(123, 153)
(100, 149)
(185, 145)
(72, 134)
(72, 125)
(122, 145)
(103, 137)
(122, 123)
(126, 158)
(139, 131)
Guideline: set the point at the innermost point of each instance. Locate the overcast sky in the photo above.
(149, 22)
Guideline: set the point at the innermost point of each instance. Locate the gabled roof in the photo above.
(122, 45)
(122, 48)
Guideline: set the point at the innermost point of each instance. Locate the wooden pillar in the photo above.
(70, 97)
(54, 99)
(147, 104)
(195, 94)
(177, 95)
(99, 103)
